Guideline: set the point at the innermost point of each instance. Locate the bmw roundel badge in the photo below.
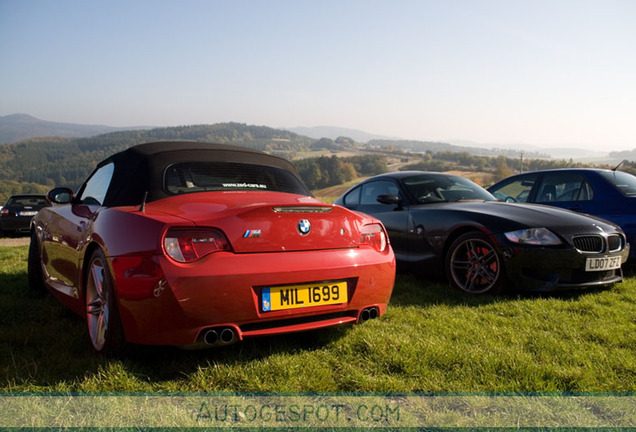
(304, 227)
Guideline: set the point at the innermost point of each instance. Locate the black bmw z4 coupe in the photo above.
(436, 220)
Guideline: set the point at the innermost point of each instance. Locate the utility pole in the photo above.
(521, 164)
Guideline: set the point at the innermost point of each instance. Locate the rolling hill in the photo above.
(20, 127)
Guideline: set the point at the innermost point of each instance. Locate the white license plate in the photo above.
(27, 213)
(602, 264)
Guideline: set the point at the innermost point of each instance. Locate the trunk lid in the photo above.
(256, 222)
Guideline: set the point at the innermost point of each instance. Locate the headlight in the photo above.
(533, 236)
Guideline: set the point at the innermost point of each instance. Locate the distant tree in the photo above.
(345, 141)
(368, 165)
(326, 144)
(501, 169)
(348, 172)
(322, 172)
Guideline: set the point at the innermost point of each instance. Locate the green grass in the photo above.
(431, 339)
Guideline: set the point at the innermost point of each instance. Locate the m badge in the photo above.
(252, 234)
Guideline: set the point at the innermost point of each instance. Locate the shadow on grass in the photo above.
(160, 363)
(425, 289)
(45, 346)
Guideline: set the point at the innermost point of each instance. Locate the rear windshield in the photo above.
(188, 177)
(27, 201)
(624, 182)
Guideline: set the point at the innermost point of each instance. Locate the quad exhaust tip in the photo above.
(219, 336)
(368, 314)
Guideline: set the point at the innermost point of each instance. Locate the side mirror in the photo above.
(390, 199)
(60, 195)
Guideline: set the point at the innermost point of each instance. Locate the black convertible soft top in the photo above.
(140, 169)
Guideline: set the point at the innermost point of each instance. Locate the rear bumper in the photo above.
(165, 303)
(13, 224)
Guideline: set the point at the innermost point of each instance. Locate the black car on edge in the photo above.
(483, 244)
(16, 214)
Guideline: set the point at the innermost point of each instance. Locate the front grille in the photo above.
(615, 243)
(591, 243)
(599, 243)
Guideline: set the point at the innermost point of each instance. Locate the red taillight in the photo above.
(374, 236)
(190, 244)
(4, 212)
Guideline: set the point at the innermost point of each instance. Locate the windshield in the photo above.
(427, 188)
(624, 182)
(191, 177)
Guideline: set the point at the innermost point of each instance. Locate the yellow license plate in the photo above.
(300, 296)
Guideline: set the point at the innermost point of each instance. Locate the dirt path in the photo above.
(14, 241)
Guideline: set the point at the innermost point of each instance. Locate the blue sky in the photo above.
(550, 73)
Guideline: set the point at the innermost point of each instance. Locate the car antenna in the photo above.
(622, 162)
(142, 207)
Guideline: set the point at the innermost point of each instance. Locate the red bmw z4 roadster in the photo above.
(196, 244)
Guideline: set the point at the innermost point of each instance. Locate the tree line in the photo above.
(66, 161)
(38, 164)
(324, 171)
(500, 166)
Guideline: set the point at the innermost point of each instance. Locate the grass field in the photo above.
(431, 339)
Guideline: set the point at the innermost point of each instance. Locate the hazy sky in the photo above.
(543, 72)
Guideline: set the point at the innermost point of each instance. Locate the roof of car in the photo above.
(168, 146)
(139, 169)
(566, 169)
(595, 171)
(407, 174)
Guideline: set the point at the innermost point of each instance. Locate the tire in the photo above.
(34, 266)
(473, 264)
(102, 314)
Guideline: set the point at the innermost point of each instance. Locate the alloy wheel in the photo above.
(474, 265)
(97, 305)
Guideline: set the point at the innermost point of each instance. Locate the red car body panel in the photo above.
(166, 302)
(224, 290)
